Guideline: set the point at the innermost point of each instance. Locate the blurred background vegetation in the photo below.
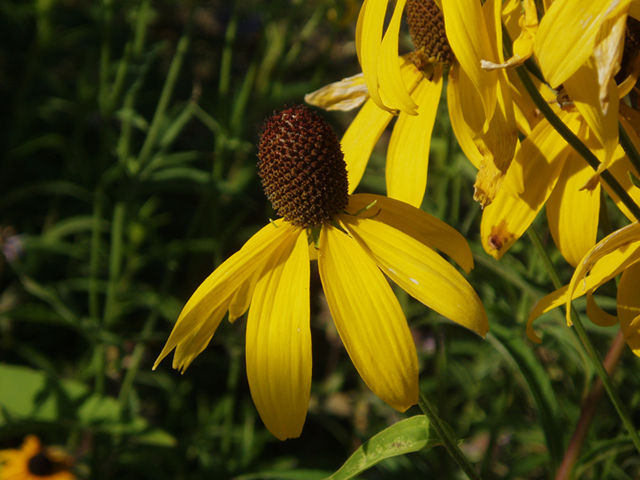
(127, 174)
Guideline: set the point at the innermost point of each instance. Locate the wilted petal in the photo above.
(507, 218)
(278, 347)
(561, 51)
(416, 223)
(584, 91)
(345, 95)
(420, 271)
(369, 319)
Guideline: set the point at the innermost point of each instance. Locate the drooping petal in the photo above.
(607, 53)
(620, 168)
(457, 96)
(597, 315)
(203, 312)
(279, 340)
(416, 223)
(420, 271)
(507, 218)
(497, 145)
(389, 76)
(345, 95)
(369, 319)
(573, 213)
(629, 306)
(604, 261)
(466, 29)
(360, 138)
(369, 44)
(584, 90)
(408, 154)
(561, 50)
(524, 32)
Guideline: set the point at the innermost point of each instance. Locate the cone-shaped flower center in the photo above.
(302, 167)
(40, 465)
(426, 25)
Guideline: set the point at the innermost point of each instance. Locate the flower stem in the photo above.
(588, 345)
(589, 408)
(448, 442)
(574, 141)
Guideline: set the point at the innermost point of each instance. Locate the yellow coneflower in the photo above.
(453, 39)
(357, 240)
(33, 461)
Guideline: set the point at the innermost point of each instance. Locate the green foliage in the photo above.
(127, 174)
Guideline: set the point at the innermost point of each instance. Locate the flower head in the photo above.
(356, 239)
(451, 39)
(33, 461)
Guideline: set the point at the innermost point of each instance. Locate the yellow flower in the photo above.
(356, 239)
(547, 170)
(35, 462)
(615, 254)
(554, 174)
(480, 105)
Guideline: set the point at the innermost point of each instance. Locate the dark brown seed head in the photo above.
(302, 167)
(426, 25)
(40, 465)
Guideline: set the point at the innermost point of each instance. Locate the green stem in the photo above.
(448, 443)
(165, 97)
(629, 148)
(115, 261)
(94, 261)
(588, 345)
(105, 57)
(574, 141)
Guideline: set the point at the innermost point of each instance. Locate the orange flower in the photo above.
(33, 461)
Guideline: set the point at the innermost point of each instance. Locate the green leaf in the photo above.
(31, 395)
(406, 436)
(520, 353)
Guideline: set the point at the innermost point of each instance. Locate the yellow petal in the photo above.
(513, 183)
(369, 43)
(608, 53)
(507, 218)
(458, 94)
(203, 312)
(629, 306)
(604, 261)
(360, 138)
(345, 95)
(619, 168)
(464, 22)
(573, 213)
(551, 301)
(420, 271)
(497, 146)
(416, 223)
(408, 154)
(389, 76)
(369, 319)
(597, 315)
(584, 91)
(561, 51)
(279, 340)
